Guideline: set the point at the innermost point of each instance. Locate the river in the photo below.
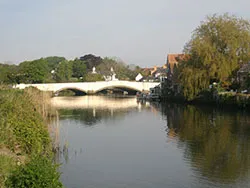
(119, 143)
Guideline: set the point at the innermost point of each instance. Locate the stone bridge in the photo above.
(91, 87)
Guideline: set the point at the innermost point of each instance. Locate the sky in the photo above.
(140, 32)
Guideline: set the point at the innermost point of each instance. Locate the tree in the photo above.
(53, 61)
(79, 68)
(7, 74)
(91, 61)
(217, 49)
(122, 71)
(93, 77)
(64, 71)
(33, 71)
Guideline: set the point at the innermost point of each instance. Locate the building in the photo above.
(170, 86)
(139, 77)
(172, 62)
(160, 73)
(243, 75)
(174, 59)
(155, 73)
(110, 75)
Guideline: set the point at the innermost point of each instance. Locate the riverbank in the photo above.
(25, 143)
(220, 99)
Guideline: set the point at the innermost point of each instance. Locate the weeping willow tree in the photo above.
(217, 49)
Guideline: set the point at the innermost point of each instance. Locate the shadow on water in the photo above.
(215, 141)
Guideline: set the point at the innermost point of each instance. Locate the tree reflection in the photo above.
(91, 116)
(217, 142)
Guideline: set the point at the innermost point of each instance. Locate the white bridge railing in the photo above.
(91, 87)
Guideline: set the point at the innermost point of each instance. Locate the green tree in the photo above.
(122, 71)
(93, 77)
(33, 71)
(53, 61)
(8, 74)
(91, 61)
(79, 68)
(217, 49)
(64, 71)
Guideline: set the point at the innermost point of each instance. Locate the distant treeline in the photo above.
(59, 69)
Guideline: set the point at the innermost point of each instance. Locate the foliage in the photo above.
(7, 164)
(21, 125)
(122, 71)
(23, 134)
(6, 73)
(217, 49)
(93, 77)
(53, 61)
(58, 69)
(91, 61)
(39, 172)
(64, 71)
(79, 68)
(33, 71)
(145, 73)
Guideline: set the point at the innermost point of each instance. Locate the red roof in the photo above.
(174, 59)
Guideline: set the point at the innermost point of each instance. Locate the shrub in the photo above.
(39, 172)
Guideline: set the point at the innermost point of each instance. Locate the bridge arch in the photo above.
(117, 86)
(74, 89)
(92, 87)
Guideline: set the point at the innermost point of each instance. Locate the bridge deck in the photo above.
(91, 87)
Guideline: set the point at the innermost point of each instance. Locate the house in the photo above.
(171, 84)
(160, 73)
(147, 71)
(243, 74)
(109, 75)
(155, 73)
(138, 77)
(174, 59)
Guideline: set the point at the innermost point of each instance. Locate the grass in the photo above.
(7, 164)
(24, 136)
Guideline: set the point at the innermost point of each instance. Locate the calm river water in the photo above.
(119, 143)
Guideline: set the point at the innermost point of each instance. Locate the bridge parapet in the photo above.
(91, 87)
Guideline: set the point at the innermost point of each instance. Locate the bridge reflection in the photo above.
(97, 102)
(91, 109)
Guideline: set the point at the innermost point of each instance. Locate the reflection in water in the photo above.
(95, 102)
(92, 109)
(217, 143)
(89, 111)
(108, 142)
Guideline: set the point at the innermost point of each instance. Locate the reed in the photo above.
(23, 130)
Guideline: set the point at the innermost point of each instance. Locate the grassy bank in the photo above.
(25, 143)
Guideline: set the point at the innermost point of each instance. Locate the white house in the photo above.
(138, 77)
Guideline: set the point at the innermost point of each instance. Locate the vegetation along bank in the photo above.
(25, 143)
(214, 66)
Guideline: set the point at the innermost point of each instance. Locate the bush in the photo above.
(39, 172)
(7, 164)
(21, 124)
(23, 134)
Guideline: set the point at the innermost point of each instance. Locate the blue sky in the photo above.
(140, 32)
